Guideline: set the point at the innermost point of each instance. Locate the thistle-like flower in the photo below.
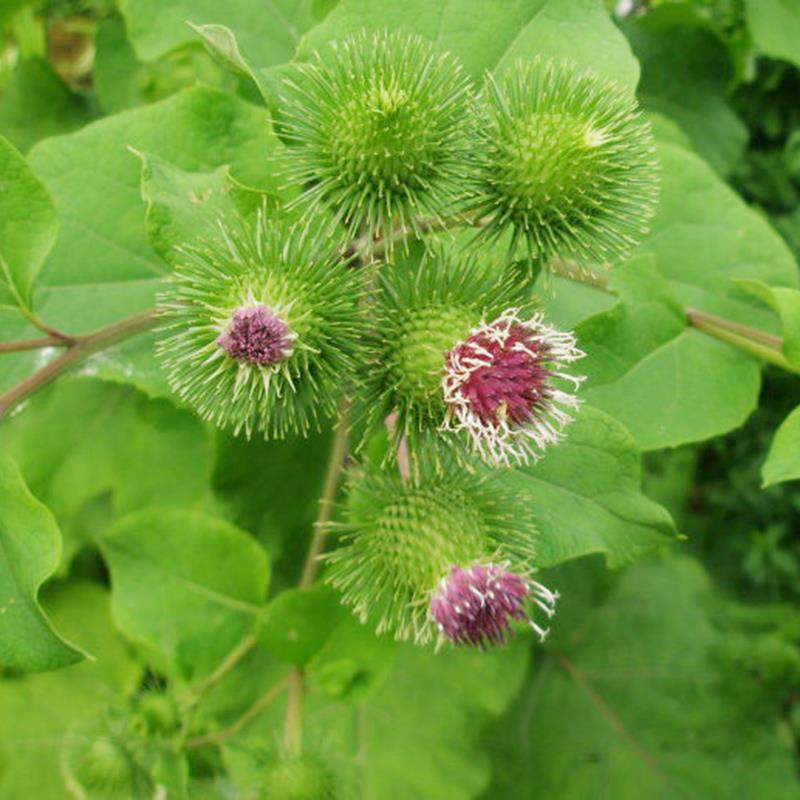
(413, 548)
(476, 605)
(263, 324)
(422, 312)
(380, 131)
(565, 162)
(505, 384)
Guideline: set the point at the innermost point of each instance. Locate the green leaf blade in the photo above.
(586, 496)
(637, 697)
(783, 458)
(579, 30)
(704, 237)
(297, 623)
(28, 226)
(268, 31)
(186, 585)
(775, 28)
(29, 553)
(129, 453)
(187, 206)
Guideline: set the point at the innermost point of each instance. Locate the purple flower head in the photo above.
(502, 385)
(475, 605)
(256, 336)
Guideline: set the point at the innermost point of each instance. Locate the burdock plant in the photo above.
(402, 380)
(443, 361)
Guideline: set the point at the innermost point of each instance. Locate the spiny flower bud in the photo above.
(105, 765)
(403, 539)
(565, 161)
(476, 605)
(379, 126)
(501, 385)
(263, 324)
(299, 778)
(422, 313)
(99, 761)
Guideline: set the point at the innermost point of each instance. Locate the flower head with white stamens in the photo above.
(442, 551)
(476, 605)
(262, 330)
(421, 313)
(507, 386)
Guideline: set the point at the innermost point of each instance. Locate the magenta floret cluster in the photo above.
(475, 605)
(511, 378)
(256, 336)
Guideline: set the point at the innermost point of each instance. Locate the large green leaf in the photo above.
(489, 36)
(183, 206)
(586, 496)
(667, 383)
(38, 711)
(123, 453)
(632, 702)
(185, 585)
(704, 237)
(36, 103)
(352, 663)
(647, 369)
(775, 28)
(122, 81)
(29, 551)
(28, 226)
(268, 31)
(422, 727)
(783, 459)
(102, 268)
(686, 72)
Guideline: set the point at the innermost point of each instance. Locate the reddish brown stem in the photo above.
(78, 348)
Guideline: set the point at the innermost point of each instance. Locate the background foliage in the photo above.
(138, 545)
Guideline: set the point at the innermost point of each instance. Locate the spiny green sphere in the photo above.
(403, 536)
(305, 778)
(263, 326)
(379, 126)
(424, 335)
(565, 162)
(105, 765)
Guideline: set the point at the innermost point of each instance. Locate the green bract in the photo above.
(401, 537)
(379, 126)
(565, 161)
(420, 313)
(262, 328)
